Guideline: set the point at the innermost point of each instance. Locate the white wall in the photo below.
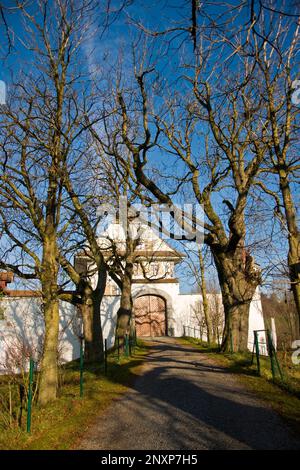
(109, 308)
(186, 317)
(22, 329)
(256, 322)
(22, 332)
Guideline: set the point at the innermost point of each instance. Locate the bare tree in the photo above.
(278, 63)
(6, 10)
(196, 265)
(39, 128)
(237, 142)
(216, 311)
(114, 174)
(227, 159)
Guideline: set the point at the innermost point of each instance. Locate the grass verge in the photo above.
(283, 396)
(63, 422)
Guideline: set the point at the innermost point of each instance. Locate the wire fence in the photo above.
(193, 332)
(263, 346)
(22, 389)
(275, 367)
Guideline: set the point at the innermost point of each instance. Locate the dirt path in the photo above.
(183, 401)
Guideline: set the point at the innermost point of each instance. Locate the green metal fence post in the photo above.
(257, 351)
(126, 346)
(81, 366)
(31, 367)
(105, 356)
(253, 351)
(273, 356)
(118, 347)
(270, 351)
(130, 345)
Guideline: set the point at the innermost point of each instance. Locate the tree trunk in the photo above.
(293, 239)
(235, 334)
(124, 313)
(49, 364)
(206, 312)
(238, 279)
(49, 367)
(92, 328)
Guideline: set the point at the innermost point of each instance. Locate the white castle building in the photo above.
(159, 309)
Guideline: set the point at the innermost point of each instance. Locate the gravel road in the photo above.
(183, 401)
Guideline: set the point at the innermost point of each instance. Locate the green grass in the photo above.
(61, 424)
(283, 396)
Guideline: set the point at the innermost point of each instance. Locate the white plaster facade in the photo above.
(22, 332)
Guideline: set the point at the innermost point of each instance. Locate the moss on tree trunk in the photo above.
(124, 313)
(49, 366)
(92, 329)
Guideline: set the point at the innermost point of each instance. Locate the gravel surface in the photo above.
(184, 401)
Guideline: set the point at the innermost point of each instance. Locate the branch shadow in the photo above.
(177, 404)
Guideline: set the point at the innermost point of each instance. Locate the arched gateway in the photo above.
(153, 310)
(150, 315)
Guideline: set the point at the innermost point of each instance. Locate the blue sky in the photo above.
(102, 51)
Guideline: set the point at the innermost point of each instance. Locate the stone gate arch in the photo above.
(169, 310)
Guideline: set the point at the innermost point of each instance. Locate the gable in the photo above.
(150, 242)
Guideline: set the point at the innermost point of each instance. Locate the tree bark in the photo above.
(238, 279)
(49, 364)
(92, 331)
(124, 313)
(91, 316)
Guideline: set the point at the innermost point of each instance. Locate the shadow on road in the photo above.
(182, 401)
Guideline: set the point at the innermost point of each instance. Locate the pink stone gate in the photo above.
(150, 315)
